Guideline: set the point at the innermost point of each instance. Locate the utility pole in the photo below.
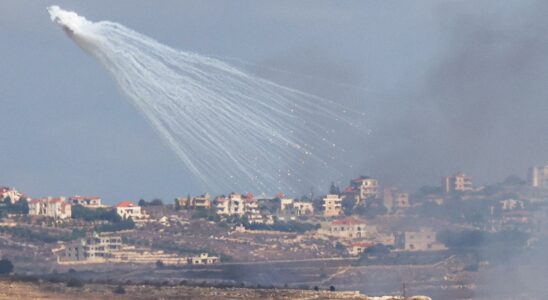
(403, 290)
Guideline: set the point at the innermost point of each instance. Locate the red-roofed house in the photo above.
(127, 209)
(358, 248)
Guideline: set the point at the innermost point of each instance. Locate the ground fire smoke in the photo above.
(229, 128)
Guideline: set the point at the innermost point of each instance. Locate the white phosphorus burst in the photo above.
(232, 130)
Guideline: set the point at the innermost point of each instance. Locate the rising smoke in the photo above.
(232, 130)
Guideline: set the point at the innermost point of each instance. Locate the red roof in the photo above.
(347, 221)
(34, 201)
(126, 203)
(362, 244)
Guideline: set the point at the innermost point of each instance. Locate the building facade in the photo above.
(96, 246)
(422, 240)
(57, 208)
(538, 177)
(395, 200)
(350, 228)
(332, 205)
(459, 182)
(127, 209)
(90, 202)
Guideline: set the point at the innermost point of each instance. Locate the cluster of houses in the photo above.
(354, 233)
(107, 247)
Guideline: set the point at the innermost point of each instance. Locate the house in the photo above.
(90, 202)
(350, 228)
(96, 246)
(458, 182)
(57, 208)
(332, 205)
(358, 248)
(203, 259)
(303, 208)
(421, 240)
(364, 187)
(10, 193)
(395, 200)
(232, 205)
(198, 202)
(290, 206)
(127, 209)
(286, 204)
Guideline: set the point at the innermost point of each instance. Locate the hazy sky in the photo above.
(447, 86)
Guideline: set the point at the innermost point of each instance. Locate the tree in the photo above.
(333, 189)
(6, 267)
(142, 202)
(332, 288)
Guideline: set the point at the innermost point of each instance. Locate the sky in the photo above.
(446, 86)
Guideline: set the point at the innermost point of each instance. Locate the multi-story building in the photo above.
(9, 193)
(50, 207)
(332, 205)
(395, 200)
(459, 182)
(538, 177)
(289, 206)
(364, 187)
(91, 202)
(96, 246)
(350, 228)
(422, 240)
(231, 205)
(127, 209)
(199, 202)
(302, 208)
(286, 204)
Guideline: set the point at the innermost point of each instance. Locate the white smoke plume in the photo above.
(232, 130)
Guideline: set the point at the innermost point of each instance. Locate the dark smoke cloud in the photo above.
(481, 108)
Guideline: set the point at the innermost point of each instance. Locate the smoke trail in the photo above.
(232, 130)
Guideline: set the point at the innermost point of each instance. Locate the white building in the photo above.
(459, 182)
(91, 202)
(233, 205)
(96, 246)
(50, 207)
(538, 177)
(10, 193)
(364, 187)
(350, 228)
(127, 209)
(301, 208)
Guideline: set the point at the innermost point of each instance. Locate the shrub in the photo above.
(6, 267)
(73, 282)
(119, 290)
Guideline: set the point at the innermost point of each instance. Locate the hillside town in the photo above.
(366, 223)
